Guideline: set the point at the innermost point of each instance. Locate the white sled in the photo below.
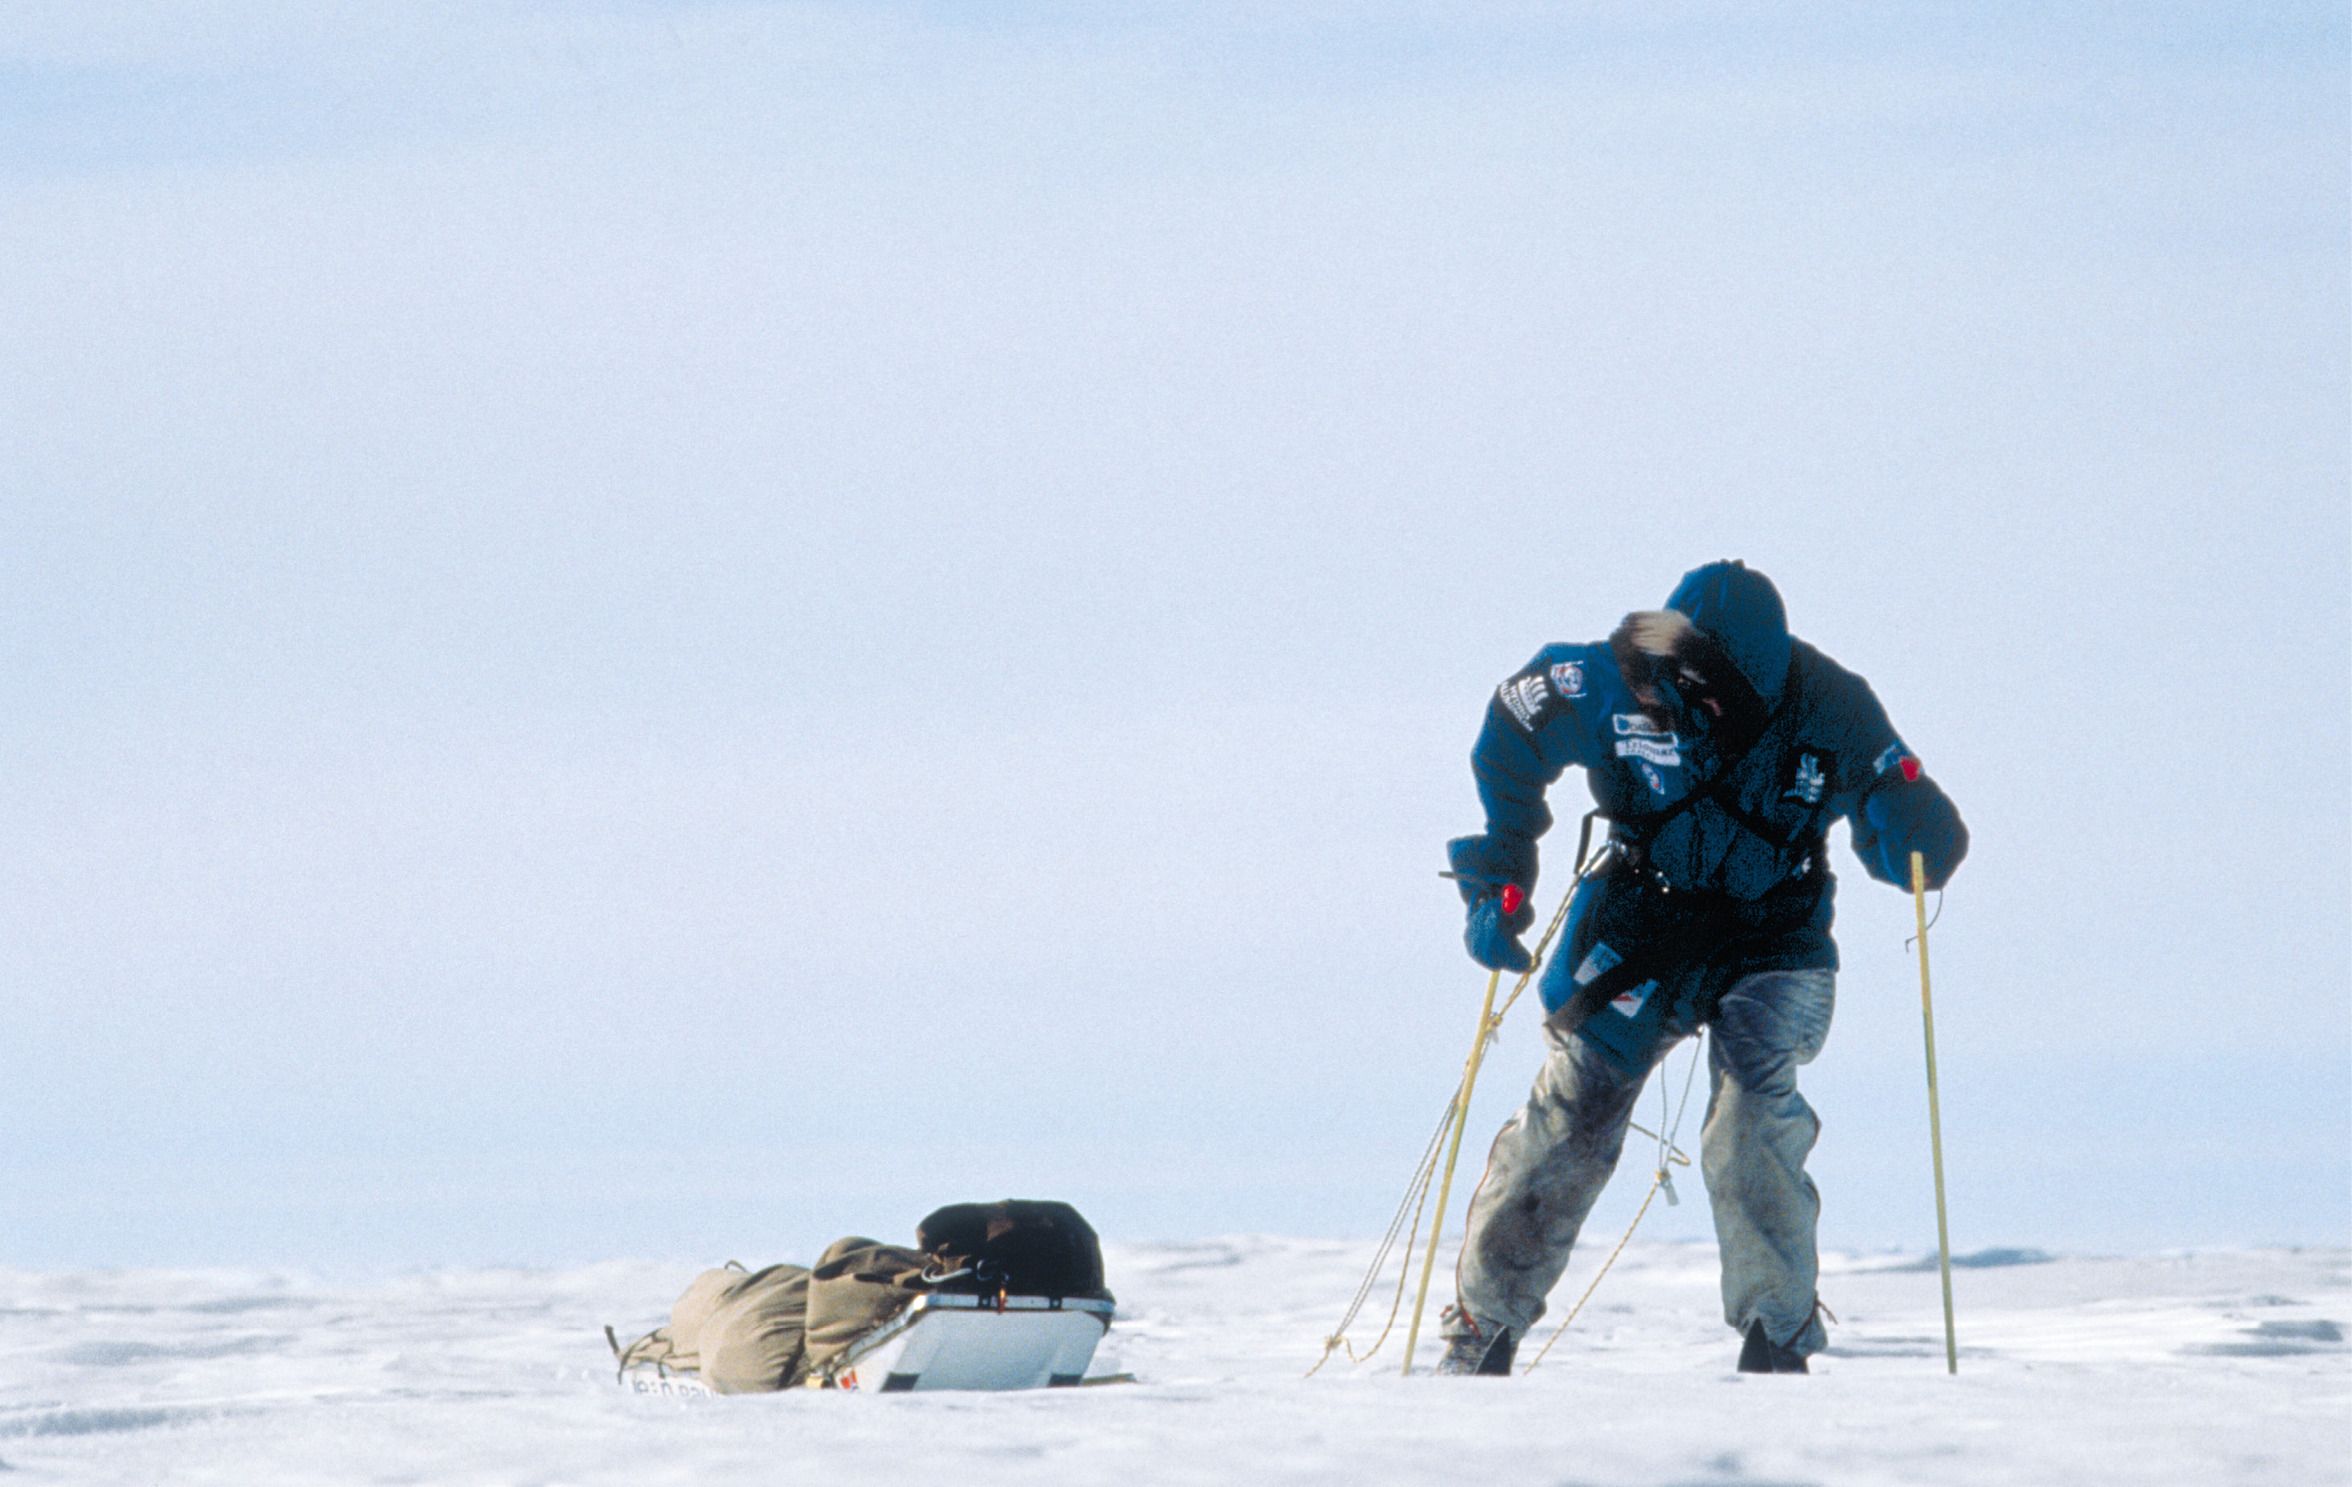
(946, 1341)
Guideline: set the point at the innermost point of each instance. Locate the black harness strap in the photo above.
(1723, 789)
(1713, 917)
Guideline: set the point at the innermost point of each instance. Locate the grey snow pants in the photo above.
(1551, 1160)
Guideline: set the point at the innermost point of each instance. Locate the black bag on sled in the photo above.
(1021, 1247)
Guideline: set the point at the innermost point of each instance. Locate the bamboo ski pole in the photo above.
(1453, 1149)
(1935, 1120)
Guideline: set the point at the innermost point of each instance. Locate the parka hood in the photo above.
(1740, 608)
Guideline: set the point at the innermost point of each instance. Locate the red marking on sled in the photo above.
(1512, 898)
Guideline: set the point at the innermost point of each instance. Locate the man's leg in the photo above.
(1548, 1164)
(1759, 1131)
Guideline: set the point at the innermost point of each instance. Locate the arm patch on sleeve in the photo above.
(1539, 694)
(1898, 758)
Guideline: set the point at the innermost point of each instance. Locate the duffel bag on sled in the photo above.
(1003, 1295)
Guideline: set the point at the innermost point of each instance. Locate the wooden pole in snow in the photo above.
(1935, 1119)
(1453, 1149)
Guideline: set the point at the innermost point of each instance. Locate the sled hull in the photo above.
(945, 1341)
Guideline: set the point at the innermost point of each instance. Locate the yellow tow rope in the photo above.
(1457, 1113)
(1449, 1135)
(1658, 1179)
(1449, 1131)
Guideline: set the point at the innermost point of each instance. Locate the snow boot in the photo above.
(1472, 1352)
(1760, 1354)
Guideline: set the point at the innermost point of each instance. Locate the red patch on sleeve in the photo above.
(1512, 898)
(1910, 768)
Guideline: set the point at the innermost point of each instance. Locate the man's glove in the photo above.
(1913, 816)
(1496, 923)
(1494, 873)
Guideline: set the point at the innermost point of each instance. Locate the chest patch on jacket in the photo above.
(1639, 738)
(1807, 776)
(1808, 781)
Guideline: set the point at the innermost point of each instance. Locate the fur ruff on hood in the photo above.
(1668, 663)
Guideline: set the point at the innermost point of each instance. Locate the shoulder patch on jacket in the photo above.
(1531, 699)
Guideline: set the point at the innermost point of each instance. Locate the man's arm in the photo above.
(1892, 806)
(1536, 726)
(1907, 813)
(1898, 810)
(1531, 735)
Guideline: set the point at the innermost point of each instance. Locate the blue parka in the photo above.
(1750, 845)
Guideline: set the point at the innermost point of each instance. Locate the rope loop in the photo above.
(1416, 1197)
(1660, 1180)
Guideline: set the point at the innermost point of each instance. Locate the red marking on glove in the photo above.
(1512, 898)
(1910, 768)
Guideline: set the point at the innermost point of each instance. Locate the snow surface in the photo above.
(2207, 1368)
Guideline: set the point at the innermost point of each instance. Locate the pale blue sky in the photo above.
(680, 629)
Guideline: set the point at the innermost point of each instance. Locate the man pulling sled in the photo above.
(1719, 749)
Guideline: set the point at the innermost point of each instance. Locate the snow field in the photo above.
(2206, 1368)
